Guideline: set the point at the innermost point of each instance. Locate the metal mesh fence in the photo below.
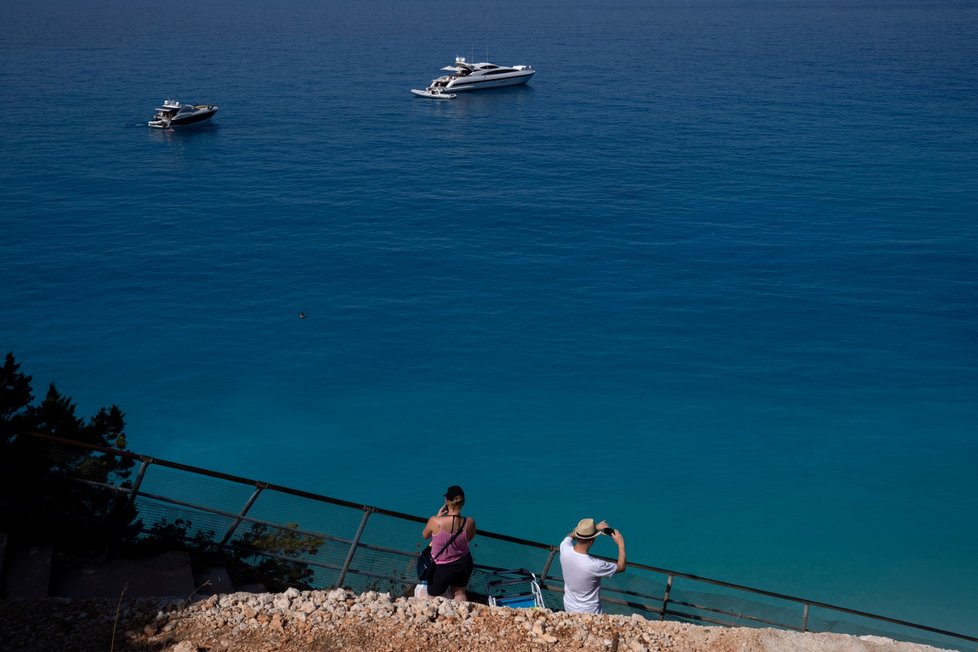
(367, 548)
(155, 513)
(179, 485)
(717, 605)
(309, 515)
(830, 620)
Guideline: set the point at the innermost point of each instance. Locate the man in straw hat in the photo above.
(582, 572)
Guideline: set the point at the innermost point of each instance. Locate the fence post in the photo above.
(139, 479)
(546, 567)
(353, 546)
(804, 619)
(259, 487)
(665, 599)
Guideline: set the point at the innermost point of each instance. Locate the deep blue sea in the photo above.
(712, 275)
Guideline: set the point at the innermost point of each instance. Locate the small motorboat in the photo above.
(176, 114)
(433, 94)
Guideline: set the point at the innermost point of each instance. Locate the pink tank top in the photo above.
(454, 552)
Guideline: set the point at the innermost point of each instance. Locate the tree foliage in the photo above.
(36, 499)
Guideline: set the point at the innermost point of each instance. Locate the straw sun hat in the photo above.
(585, 530)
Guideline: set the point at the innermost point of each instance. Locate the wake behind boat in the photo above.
(175, 114)
(478, 76)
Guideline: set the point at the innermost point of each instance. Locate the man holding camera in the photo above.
(582, 572)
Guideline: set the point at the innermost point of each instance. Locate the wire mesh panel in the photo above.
(491, 553)
(170, 520)
(319, 533)
(634, 591)
(498, 554)
(386, 555)
(196, 489)
(306, 514)
(75, 460)
(700, 602)
(284, 555)
(829, 620)
(95, 468)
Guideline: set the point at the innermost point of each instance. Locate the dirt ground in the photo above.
(318, 621)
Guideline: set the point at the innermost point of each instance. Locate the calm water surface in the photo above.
(710, 276)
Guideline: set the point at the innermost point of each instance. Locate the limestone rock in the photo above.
(184, 646)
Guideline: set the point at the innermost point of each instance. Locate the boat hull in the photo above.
(183, 121)
(464, 84)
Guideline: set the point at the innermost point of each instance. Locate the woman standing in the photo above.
(450, 534)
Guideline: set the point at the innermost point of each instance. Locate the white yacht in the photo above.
(175, 114)
(477, 76)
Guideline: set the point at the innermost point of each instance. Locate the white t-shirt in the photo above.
(582, 579)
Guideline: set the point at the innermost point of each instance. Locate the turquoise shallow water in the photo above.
(710, 276)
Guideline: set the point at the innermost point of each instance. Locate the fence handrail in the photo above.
(485, 534)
